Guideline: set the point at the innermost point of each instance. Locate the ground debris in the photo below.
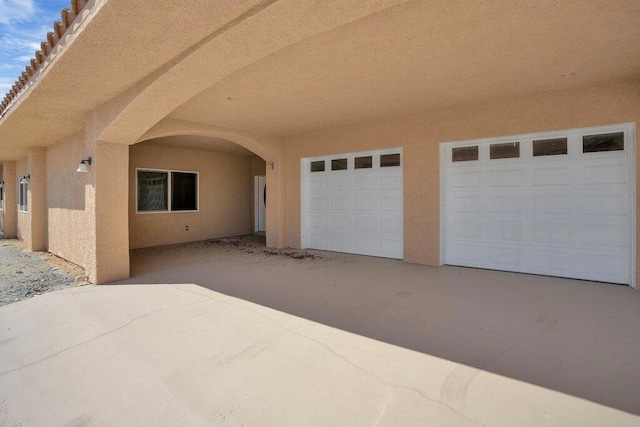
(27, 274)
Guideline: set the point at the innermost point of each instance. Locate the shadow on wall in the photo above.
(576, 337)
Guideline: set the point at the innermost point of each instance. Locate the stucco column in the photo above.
(10, 201)
(276, 219)
(106, 204)
(37, 199)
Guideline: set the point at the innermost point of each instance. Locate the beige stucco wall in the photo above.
(225, 196)
(67, 219)
(420, 136)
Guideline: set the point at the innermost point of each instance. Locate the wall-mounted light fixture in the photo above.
(25, 179)
(2, 184)
(272, 164)
(84, 165)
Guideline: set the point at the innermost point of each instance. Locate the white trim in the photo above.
(169, 188)
(23, 208)
(629, 150)
(256, 203)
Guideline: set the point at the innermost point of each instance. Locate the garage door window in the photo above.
(549, 147)
(317, 166)
(504, 151)
(389, 160)
(604, 142)
(464, 154)
(364, 162)
(339, 164)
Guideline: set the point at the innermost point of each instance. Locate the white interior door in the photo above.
(260, 204)
(558, 204)
(353, 203)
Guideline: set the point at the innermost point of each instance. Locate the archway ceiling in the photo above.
(417, 57)
(202, 143)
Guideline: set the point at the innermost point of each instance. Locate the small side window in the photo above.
(464, 154)
(603, 142)
(388, 160)
(550, 147)
(317, 166)
(364, 162)
(338, 164)
(507, 150)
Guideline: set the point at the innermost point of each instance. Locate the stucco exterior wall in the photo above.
(420, 136)
(225, 196)
(67, 219)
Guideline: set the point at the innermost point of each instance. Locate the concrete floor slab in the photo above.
(209, 334)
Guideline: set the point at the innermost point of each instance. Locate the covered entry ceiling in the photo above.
(558, 204)
(423, 55)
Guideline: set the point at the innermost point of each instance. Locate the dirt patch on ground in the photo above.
(256, 245)
(27, 274)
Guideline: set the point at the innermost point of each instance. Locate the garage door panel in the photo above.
(364, 203)
(465, 229)
(562, 214)
(604, 173)
(317, 221)
(317, 185)
(339, 222)
(390, 204)
(503, 257)
(553, 203)
(612, 202)
(318, 203)
(339, 183)
(354, 210)
(464, 178)
(364, 183)
(339, 203)
(507, 231)
(557, 175)
(393, 182)
(505, 177)
(464, 202)
(504, 203)
(605, 235)
(551, 232)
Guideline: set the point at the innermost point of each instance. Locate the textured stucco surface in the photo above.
(67, 217)
(420, 136)
(225, 191)
(10, 214)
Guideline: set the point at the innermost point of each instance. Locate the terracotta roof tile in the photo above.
(59, 29)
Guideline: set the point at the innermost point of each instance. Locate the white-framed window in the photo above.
(1, 197)
(166, 191)
(23, 189)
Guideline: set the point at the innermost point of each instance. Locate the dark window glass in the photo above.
(317, 166)
(338, 164)
(364, 162)
(1, 197)
(184, 191)
(387, 160)
(464, 154)
(504, 151)
(152, 191)
(549, 147)
(604, 142)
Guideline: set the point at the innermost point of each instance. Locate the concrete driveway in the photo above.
(211, 334)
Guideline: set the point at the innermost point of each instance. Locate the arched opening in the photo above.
(190, 187)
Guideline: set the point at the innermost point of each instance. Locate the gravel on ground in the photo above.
(27, 274)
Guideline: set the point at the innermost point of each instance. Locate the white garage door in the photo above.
(353, 203)
(558, 204)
